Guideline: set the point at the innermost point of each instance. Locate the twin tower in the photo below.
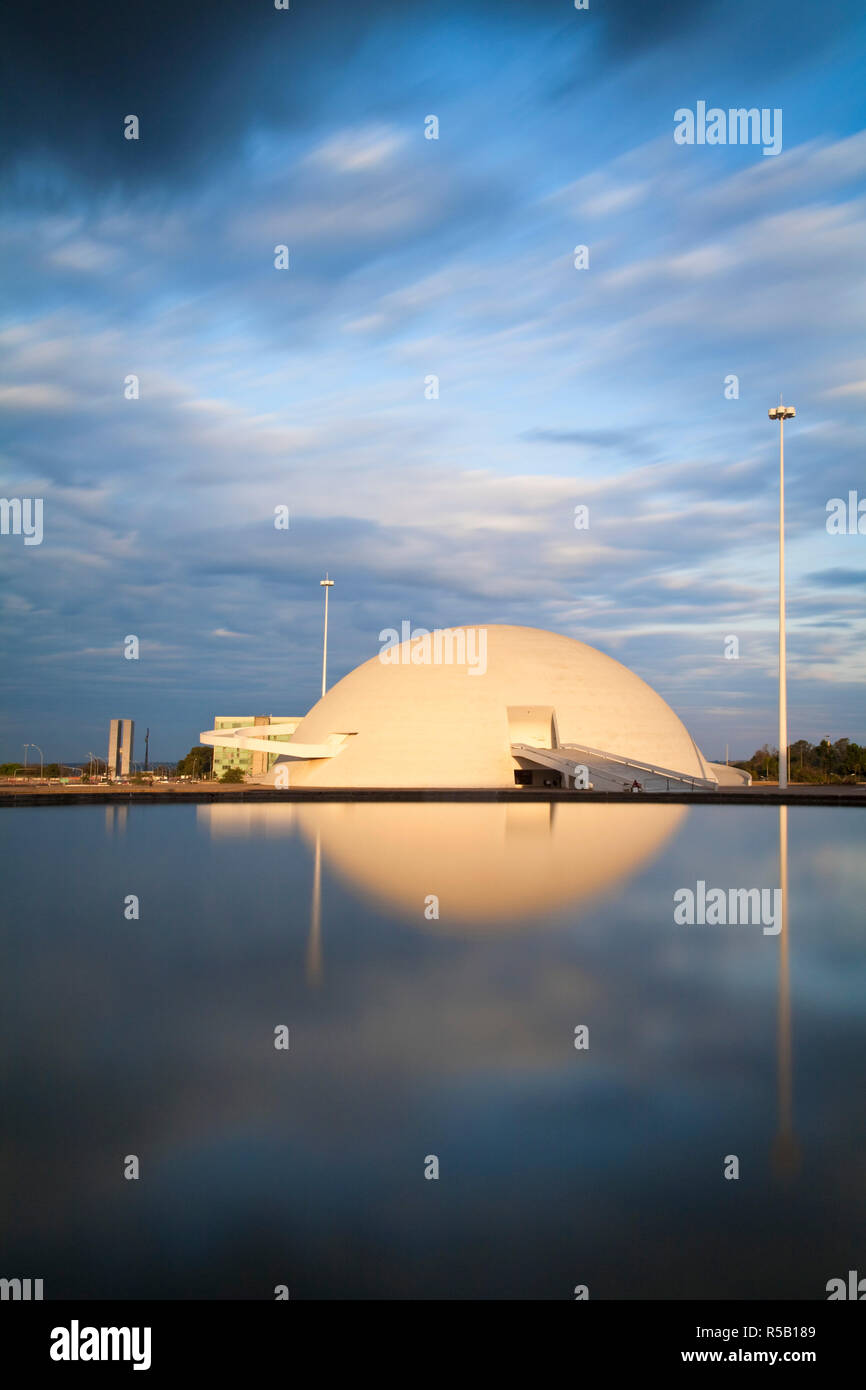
(120, 741)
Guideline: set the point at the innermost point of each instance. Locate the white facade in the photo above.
(414, 721)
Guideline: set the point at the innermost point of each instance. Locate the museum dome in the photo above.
(448, 709)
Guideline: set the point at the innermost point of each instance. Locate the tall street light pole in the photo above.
(782, 413)
(326, 584)
(41, 759)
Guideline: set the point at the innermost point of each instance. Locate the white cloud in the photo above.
(353, 151)
(36, 396)
(85, 255)
(851, 388)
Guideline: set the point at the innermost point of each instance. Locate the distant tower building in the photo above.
(120, 739)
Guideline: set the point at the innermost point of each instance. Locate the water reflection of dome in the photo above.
(452, 712)
(489, 865)
(492, 865)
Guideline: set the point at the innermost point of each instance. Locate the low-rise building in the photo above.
(254, 763)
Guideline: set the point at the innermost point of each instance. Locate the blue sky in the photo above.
(412, 257)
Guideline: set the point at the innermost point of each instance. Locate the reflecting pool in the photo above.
(501, 988)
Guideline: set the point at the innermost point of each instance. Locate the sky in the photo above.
(411, 258)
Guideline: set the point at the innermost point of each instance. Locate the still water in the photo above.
(413, 1036)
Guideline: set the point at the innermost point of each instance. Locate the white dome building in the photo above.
(486, 707)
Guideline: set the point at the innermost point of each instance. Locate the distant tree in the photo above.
(232, 774)
(764, 762)
(856, 761)
(197, 763)
(801, 760)
(825, 755)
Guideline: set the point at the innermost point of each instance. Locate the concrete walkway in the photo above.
(764, 794)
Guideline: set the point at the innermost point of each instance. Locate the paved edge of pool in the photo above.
(752, 796)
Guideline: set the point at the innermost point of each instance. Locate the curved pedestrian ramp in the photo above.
(609, 772)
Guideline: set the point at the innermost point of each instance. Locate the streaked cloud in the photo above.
(412, 259)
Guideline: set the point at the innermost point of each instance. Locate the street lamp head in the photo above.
(327, 583)
(782, 412)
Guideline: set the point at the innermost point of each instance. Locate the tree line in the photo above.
(842, 761)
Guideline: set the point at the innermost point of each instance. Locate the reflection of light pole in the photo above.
(326, 584)
(782, 413)
(314, 944)
(786, 1151)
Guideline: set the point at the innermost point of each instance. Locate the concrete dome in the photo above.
(423, 721)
